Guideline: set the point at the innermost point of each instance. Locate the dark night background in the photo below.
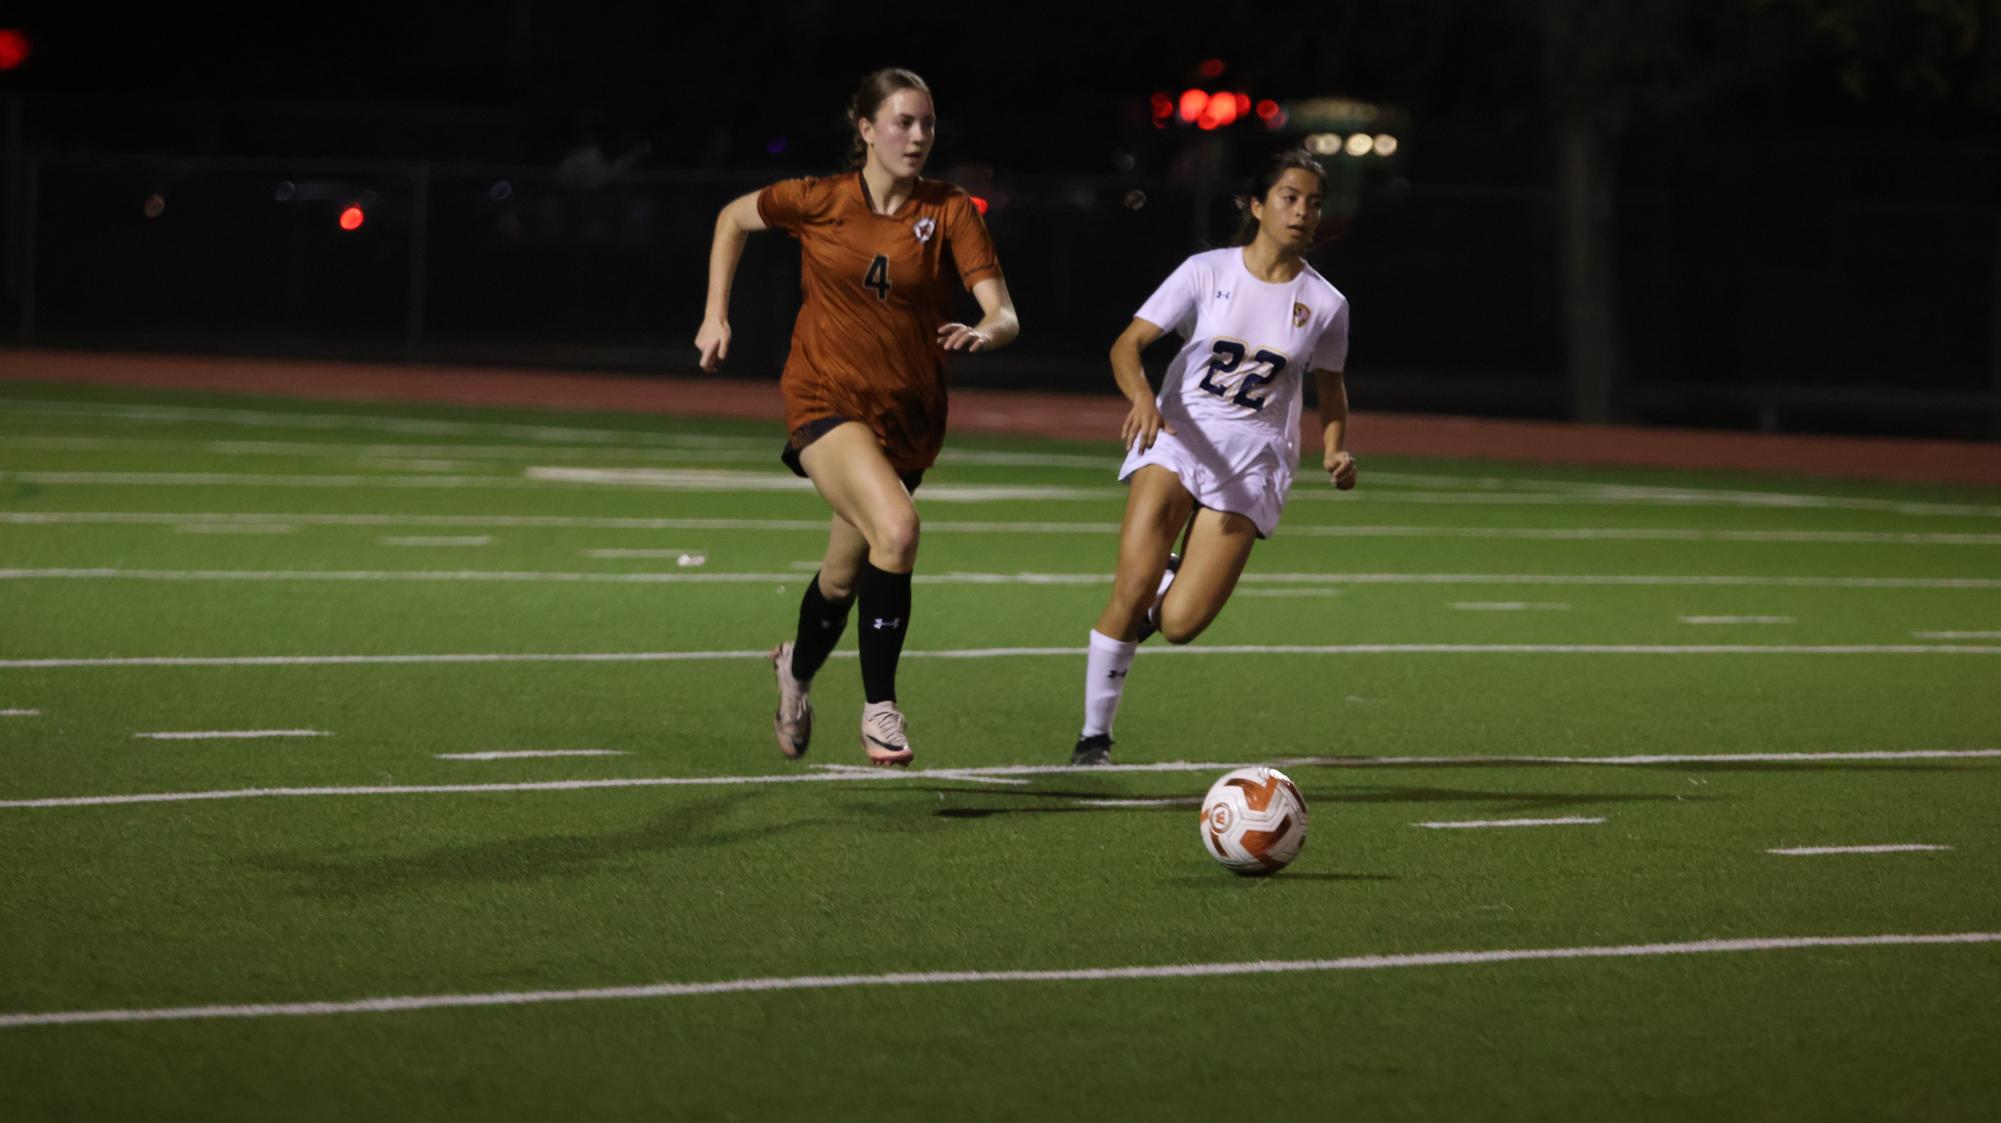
(1777, 214)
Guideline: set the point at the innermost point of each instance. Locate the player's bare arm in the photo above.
(998, 324)
(737, 222)
(1143, 423)
(1340, 465)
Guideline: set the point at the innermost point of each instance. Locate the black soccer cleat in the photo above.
(1093, 750)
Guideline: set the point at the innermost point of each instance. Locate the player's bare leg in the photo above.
(1219, 544)
(1157, 507)
(854, 476)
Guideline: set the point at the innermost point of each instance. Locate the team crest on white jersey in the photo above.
(1300, 312)
(925, 227)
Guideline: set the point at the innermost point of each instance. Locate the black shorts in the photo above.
(812, 431)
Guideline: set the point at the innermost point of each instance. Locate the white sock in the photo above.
(1153, 610)
(1105, 681)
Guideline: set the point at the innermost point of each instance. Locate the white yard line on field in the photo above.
(484, 657)
(1510, 606)
(1738, 619)
(231, 734)
(379, 423)
(234, 528)
(1956, 635)
(522, 754)
(408, 464)
(20, 713)
(986, 774)
(107, 573)
(1814, 851)
(768, 984)
(961, 526)
(418, 540)
(1482, 824)
(692, 480)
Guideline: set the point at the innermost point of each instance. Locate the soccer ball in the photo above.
(1254, 820)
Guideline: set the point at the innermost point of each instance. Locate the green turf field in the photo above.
(1689, 671)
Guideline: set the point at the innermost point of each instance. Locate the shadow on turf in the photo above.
(1231, 881)
(695, 826)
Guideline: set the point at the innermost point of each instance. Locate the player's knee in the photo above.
(837, 582)
(1181, 627)
(896, 537)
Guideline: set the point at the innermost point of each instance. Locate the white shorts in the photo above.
(1251, 481)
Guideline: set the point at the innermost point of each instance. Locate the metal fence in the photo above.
(1738, 309)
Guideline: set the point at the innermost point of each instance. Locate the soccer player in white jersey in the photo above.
(1213, 455)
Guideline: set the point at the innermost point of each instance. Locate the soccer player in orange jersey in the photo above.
(864, 385)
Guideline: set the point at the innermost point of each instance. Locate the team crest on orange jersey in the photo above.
(925, 227)
(1299, 314)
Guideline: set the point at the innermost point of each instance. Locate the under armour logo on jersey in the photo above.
(1299, 314)
(1222, 294)
(925, 227)
(882, 624)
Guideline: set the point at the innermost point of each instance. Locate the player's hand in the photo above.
(713, 341)
(962, 337)
(1340, 469)
(1143, 424)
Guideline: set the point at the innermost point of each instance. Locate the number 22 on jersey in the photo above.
(1228, 354)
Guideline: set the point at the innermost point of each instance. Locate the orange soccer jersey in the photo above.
(865, 346)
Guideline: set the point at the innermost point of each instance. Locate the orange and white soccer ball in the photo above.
(1254, 820)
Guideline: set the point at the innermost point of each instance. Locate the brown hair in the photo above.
(1288, 160)
(876, 88)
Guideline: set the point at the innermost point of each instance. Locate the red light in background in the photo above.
(14, 48)
(979, 204)
(352, 218)
(1268, 109)
(1210, 68)
(1193, 102)
(1163, 107)
(1243, 104)
(1221, 110)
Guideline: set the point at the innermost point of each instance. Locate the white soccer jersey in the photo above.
(1232, 393)
(1248, 343)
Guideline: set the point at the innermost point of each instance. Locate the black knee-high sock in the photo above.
(885, 601)
(821, 622)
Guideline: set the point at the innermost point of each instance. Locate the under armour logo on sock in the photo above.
(1115, 674)
(881, 624)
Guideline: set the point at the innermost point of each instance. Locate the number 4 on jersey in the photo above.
(878, 277)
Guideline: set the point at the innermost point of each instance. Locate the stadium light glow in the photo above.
(14, 48)
(1210, 68)
(1163, 106)
(1360, 144)
(352, 217)
(1267, 109)
(1193, 102)
(1324, 144)
(1386, 145)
